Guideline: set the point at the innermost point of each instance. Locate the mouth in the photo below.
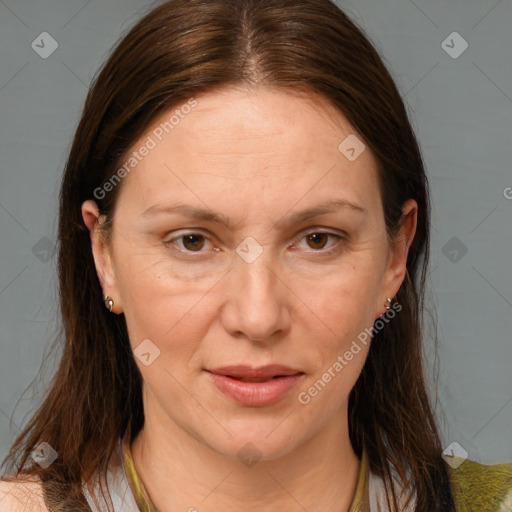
(255, 387)
(252, 379)
(261, 374)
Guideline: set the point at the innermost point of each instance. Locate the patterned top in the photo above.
(476, 487)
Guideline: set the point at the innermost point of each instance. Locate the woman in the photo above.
(244, 239)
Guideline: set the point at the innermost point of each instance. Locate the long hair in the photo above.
(181, 49)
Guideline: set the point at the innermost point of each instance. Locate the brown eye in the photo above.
(318, 240)
(193, 242)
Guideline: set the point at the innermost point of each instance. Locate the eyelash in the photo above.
(329, 251)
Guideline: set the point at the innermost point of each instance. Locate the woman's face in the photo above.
(248, 243)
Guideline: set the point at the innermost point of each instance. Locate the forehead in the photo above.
(246, 142)
(261, 115)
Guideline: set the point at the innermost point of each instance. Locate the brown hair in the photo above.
(179, 50)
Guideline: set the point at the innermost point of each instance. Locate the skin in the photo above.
(257, 156)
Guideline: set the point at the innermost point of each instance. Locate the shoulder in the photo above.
(483, 487)
(22, 496)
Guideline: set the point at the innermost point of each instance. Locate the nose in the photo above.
(257, 301)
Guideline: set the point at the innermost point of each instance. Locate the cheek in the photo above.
(339, 317)
(339, 352)
(342, 301)
(173, 313)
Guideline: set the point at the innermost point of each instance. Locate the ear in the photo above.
(397, 263)
(101, 253)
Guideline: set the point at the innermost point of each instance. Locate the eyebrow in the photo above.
(208, 215)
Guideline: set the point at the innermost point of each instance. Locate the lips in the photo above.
(255, 387)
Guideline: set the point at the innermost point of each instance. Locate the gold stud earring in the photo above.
(109, 303)
(388, 303)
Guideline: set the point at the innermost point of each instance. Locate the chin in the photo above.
(257, 440)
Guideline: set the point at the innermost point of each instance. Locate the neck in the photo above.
(181, 473)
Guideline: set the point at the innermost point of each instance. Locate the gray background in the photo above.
(462, 111)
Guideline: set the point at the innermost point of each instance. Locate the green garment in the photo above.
(482, 488)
